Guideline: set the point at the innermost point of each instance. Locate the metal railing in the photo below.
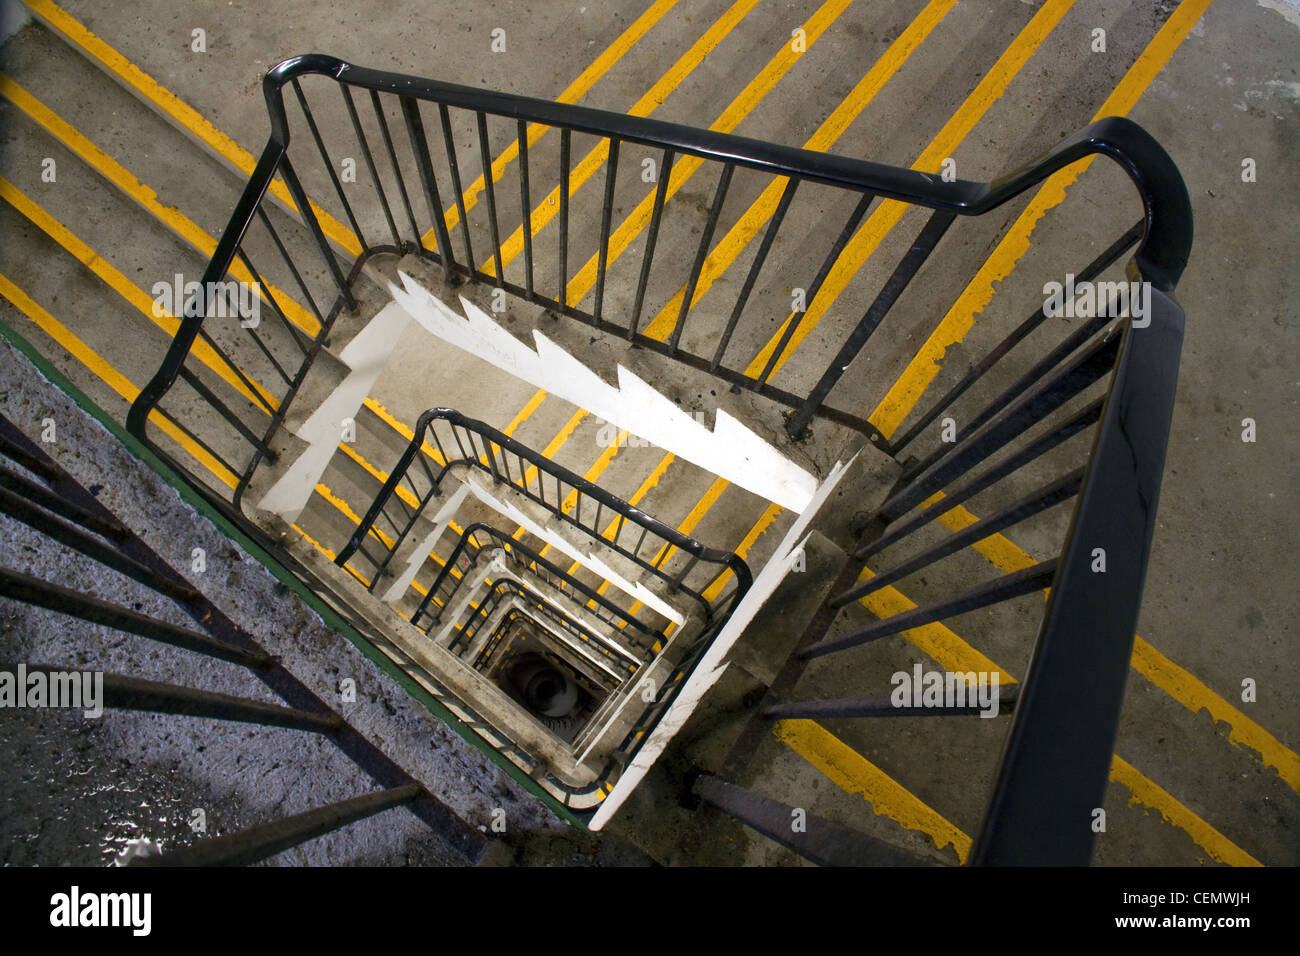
(449, 439)
(478, 539)
(430, 165)
(1056, 762)
(285, 349)
(619, 667)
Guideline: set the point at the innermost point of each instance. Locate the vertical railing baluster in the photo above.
(525, 198)
(606, 212)
(485, 154)
(370, 161)
(329, 164)
(783, 206)
(397, 168)
(293, 270)
(309, 216)
(420, 146)
(706, 238)
(796, 319)
(563, 297)
(454, 167)
(652, 238)
(911, 262)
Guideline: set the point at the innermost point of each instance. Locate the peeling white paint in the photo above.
(1289, 9)
(416, 561)
(730, 450)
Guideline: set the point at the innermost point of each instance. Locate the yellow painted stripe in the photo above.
(1147, 793)
(593, 475)
(382, 476)
(702, 506)
(379, 474)
(168, 104)
(651, 481)
(740, 107)
(128, 290)
(576, 91)
(686, 166)
(769, 515)
(941, 643)
(111, 377)
(383, 414)
(693, 518)
(1178, 683)
(169, 216)
(887, 215)
(550, 451)
(724, 253)
(555, 444)
(1193, 694)
(854, 773)
(952, 653)
(647, 104)
(597, 469)
(525, 413)
(346, 510)
(925, 365)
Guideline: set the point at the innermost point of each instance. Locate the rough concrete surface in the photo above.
(83, 787)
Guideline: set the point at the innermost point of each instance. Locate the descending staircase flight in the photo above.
(569, 631)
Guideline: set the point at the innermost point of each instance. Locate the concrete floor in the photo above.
(1222, 564)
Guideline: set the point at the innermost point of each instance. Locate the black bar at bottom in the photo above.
(31, 590)
(820, 840)
(131, 693)
(257, 843)
(1016, 584)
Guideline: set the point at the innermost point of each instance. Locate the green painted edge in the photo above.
(282, 574)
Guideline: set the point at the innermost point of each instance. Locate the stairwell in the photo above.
(481, 554)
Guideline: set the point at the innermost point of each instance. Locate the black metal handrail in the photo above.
(1058, 754)
(526, 561)
(475, 444)
(1161, 257)
(1056, 762)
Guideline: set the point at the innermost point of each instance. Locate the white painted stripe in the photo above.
(365, 356)
(729, 450)
(711, 667)
(413, 564)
